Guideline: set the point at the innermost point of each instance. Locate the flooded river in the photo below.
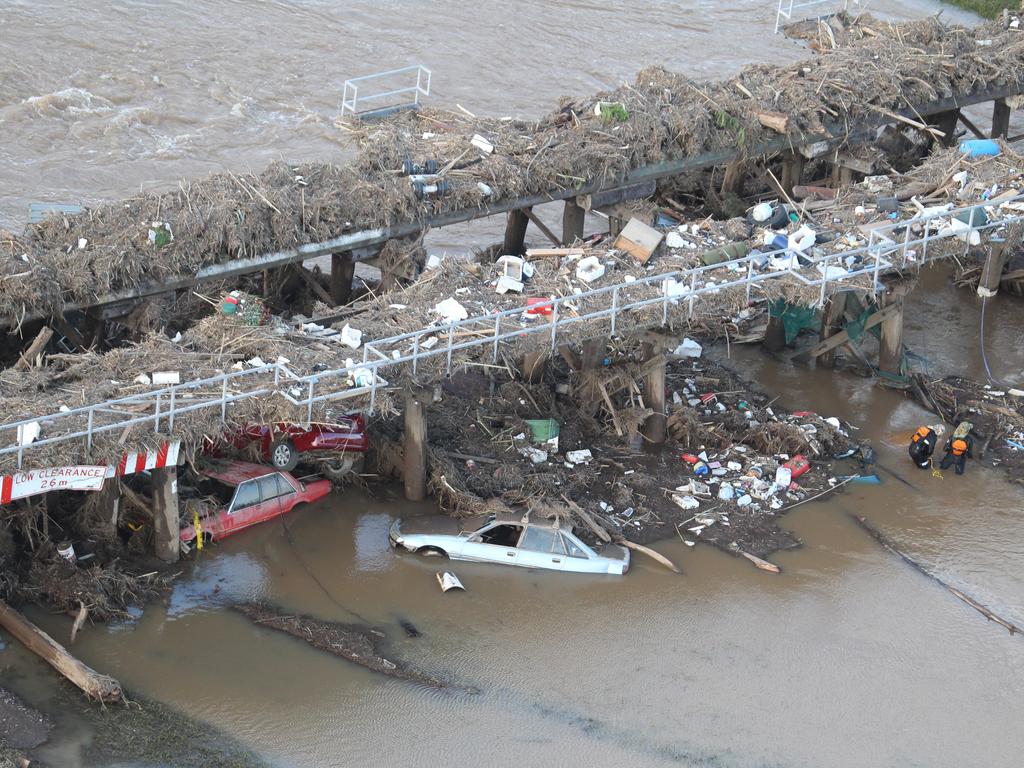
(848, 658)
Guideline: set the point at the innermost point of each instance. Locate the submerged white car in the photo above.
(507, 539)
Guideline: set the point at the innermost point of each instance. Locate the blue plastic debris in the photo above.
(980, 148)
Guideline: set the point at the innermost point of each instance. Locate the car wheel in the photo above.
(283, 455)
(431, 552)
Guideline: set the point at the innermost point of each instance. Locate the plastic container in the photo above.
(980, 148)
(67, 550)
(542, 430)
(783, 476)
(797, 466)
(700, 469)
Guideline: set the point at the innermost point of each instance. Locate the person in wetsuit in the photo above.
(922, 446)
(959, 448)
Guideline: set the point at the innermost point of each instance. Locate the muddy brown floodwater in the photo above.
(848, 658)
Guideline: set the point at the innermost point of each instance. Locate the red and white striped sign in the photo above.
(83, 478)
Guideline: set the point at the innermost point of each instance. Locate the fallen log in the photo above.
(96, 686)
(882, 539)
(28, 357)
(764, 565)
(598, 530)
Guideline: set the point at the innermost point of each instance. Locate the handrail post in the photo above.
(309, 403)
(373, 391)
(224, 400)
(170, 416)
(88, 438)
(415, 352)
(750, 277)
(824, 281)
(554, 324)
(664, 303)
(451, 340)
(497, 333)
(615, 307)
(693, 293)
(156, 416)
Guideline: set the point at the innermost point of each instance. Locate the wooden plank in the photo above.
(544, 253)
(775, 121)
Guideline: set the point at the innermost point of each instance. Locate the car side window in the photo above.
(268, 487)
(501, 535)
(542, 540)
(572, 548)
(283, 486)
(247, 495)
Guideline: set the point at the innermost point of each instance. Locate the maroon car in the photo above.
(282, 444)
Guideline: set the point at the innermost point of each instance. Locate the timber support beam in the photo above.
(166, 526)
(414, 446)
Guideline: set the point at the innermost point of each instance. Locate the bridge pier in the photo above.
(414, 450)
(1000, 119)
(992, 272)
(572, 222)
(775, 334)
(515, 233)
(654, 427)
(890, 342)
(109, 502)
(166, 525)
(343, 268)
(947, 122)
(792, 170)
(831, 321)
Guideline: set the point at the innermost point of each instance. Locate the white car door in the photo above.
(541, 548)
(494, 544)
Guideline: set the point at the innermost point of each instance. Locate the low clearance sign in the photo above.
(22, 484)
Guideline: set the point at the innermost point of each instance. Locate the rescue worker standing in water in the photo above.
(922, 445)
(959, 448)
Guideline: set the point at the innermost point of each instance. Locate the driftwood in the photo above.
(649, 552)
(885, 542)
(776, 121)
(764, 565)
(96, 686)
(28, 357)
(83, 614)
(598, 530)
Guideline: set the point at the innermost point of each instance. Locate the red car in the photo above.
(282, 444)
(250, 494)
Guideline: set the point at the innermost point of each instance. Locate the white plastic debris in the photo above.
(506, 284)
(685, 502)
(802, 239)
(783, 477)
(762, 212)
(485, 189)
(579, 457)
(674, 288)
(675, 240)
(511, 266)
(590, 269)
(536, 455)
(688, 348)
(429, 343)
(833, 422)
(725, 492)
(256, 362)
(27, 433)
(433, 261)
(166, 377)
(351, 337)
(82, 242)
(482, 144)
(451, 310)
(743, 501)
(689, 543)
(832, 272)
(449, 580)
(733, 466)
(142, 379)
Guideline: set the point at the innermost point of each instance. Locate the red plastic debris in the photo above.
(539, 307)
(797, 466)
(803, 414)
(709, 397)
(689, 458)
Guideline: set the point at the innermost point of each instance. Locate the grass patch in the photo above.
(987, 8)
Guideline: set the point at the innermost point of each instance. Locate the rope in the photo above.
(984, 356)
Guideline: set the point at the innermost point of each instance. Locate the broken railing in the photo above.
(163, 406)
(788, 7)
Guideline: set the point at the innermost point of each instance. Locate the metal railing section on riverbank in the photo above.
(788, 7)
(405, 97)
(830, 272)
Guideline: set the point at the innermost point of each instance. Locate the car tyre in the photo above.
(340, 469)
(431, 552)
(283, 455)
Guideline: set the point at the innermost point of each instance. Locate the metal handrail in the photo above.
(170, 402)
(786, 8)
(350, 103)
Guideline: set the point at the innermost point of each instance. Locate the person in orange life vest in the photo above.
(959, 448)
(922, 444)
